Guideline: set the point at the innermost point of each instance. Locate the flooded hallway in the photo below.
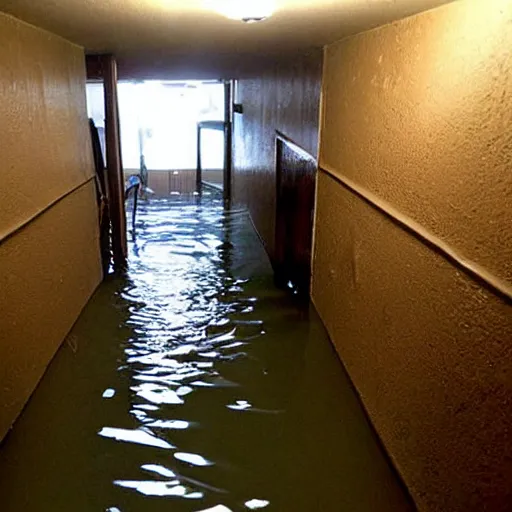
(255, 255)
(192, 383)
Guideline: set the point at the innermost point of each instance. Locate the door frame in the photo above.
(279, 263)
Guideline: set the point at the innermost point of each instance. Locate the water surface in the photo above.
(193, 384)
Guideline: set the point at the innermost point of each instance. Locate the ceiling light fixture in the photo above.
(248, 11)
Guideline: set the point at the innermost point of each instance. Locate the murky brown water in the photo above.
(194, 384)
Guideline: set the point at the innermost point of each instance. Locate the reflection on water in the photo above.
(138, 436)
(256, 504)
(194, 385)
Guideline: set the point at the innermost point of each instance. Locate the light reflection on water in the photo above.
(138, 436)
(194, 385)
(187, 315)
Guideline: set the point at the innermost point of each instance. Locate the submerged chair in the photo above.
(133, 186)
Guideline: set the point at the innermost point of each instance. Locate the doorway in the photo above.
(158, 123)
(295, 204)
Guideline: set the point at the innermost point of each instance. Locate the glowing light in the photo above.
(249, 11)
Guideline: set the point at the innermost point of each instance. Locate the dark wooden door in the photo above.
(296, 174)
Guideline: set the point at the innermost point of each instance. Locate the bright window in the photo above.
(160, 118)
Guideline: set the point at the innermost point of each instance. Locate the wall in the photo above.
(285, 97)
(413, 255)
(49, 252)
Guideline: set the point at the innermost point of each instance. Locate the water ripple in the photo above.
(188, 318)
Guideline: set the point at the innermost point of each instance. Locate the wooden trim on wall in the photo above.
(114, 163)
(471, 268)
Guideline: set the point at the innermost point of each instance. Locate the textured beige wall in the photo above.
(416, 140)
(428, 103)
(284, 97)
(50, 265)
(44, 139)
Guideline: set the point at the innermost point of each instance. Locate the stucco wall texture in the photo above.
(416, 119)
(50, 265)
(285, 98)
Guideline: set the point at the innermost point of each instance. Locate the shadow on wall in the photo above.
(285, 98)
(295, 204)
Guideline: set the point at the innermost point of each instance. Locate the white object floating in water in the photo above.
(137, 436)
(192, 458)
(109, 393)
(113, 509)
(256, 504)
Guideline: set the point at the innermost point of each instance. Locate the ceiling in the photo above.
(177, 32)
